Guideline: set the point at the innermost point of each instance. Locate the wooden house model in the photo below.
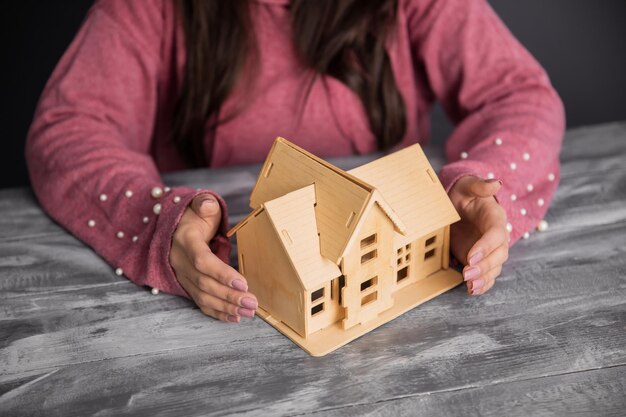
(332, 254)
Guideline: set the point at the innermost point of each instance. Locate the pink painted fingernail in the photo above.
(492, 180)
(471, 273)
(476, 257)
(233, 319)
(246, 312)
(239, 285)
(248, 302)
(477, 284)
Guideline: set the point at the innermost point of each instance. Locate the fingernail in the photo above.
(246, 313)
(248, 302)
(476, 257)
(233, 319)
(492, 180)
(471, 273)
(477, 284)
(239, 285)
(209, 206)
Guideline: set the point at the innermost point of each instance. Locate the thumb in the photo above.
(484, 188)
(208, 209)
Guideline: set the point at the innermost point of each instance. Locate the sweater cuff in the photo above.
(161, 275)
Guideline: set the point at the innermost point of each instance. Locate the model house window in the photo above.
(370, 298)
(402, 273)
(401, 251)
(430, 241)
(369, 256)
(341, 283)
(369, 283)
(317, 309)
(430, 254)
(317, 294)
(370, 240)
(268, 170)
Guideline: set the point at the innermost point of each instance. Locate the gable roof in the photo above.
(293, 218)
(409, 184)
(341, 197)
(403, 184)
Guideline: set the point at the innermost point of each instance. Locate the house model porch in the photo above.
(333, 254)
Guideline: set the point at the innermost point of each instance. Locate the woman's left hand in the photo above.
(480, 239)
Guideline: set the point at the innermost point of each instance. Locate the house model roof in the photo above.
(340, 197)
(293, 217)
(403, 184)
(410, 186)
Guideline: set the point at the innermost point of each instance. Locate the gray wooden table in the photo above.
(548, 340)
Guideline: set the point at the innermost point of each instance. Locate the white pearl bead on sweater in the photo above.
(157, 192)
(542, 226)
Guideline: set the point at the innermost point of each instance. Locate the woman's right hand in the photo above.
(218, 289)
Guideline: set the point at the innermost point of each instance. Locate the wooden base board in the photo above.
(331, 338)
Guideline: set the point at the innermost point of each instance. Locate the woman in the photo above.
(161, 85)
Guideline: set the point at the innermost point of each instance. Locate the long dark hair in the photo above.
(341, 38)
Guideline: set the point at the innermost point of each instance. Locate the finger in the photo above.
(207, 300)
(195, 292)
(207, 263)
(493, 238)
(483, 188)
(219, 315)
(239, 298)
(496, 258)
(207, 207)
(484, 283)
(210, 301)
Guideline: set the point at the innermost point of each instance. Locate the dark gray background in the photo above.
(580, 42)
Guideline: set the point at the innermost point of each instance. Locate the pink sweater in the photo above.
(98, 140)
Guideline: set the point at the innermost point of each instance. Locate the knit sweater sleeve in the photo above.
(88, 147)
(509, 119)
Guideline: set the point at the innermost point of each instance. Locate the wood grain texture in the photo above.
(548, 340)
